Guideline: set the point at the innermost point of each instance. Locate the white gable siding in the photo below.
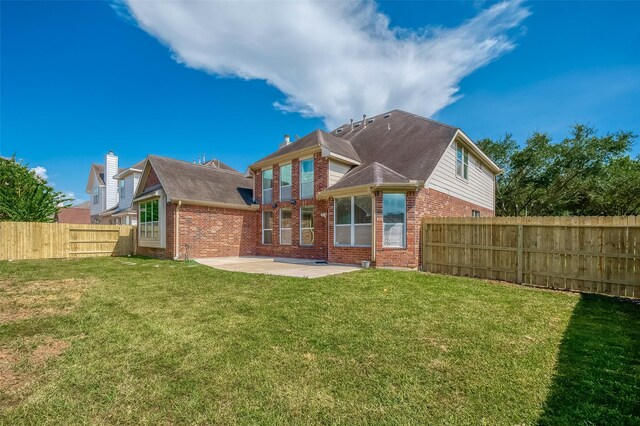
(99, 207)
(336, 171)
(110, 170)
(125, 201)
(478, 189)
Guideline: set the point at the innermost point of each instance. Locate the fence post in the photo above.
(520, 256)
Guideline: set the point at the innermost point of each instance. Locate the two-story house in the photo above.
(353, 194)
(111, 190)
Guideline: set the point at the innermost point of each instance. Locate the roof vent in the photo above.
(339, 130)
(356, 125)
(285, 142)
(370, 120)
(387, 115)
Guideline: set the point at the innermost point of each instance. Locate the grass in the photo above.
(140, 341)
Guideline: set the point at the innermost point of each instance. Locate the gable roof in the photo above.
(197, 183)
(406, 143)
(320, 139)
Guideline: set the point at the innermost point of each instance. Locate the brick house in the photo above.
(356, 193)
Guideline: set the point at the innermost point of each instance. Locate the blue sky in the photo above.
(80, 78)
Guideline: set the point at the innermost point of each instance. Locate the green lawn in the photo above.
(130, 341)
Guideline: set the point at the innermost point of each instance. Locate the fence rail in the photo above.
(585, 254)
(33, 240)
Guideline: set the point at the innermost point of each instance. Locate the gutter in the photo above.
(410, 186)
(250, 207)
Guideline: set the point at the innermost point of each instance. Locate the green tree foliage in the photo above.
(584, 174)
(24, 196)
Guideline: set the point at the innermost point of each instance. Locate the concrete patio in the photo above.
(276, 266)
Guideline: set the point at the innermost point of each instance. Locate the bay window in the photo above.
(148, 224)
(352, 221)
(285, 227)
(267, 191)
(462, 162)
(306, 178)
(306, 226)
(267, 227)
(285, 182)
(394, 220)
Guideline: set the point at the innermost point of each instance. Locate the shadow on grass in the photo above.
(597, 377)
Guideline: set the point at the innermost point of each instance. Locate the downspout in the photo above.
(176, 234)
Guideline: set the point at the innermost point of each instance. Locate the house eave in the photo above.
(259, 165)
(252, 207)
(412, 185)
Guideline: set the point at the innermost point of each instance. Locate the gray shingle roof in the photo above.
(370, 174)
(405, 143)
(187, 181)
(321, 139)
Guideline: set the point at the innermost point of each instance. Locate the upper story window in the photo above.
(352, 221)
(462, 162)
(96, 195)
(121, 188)
(394, 219)
(267, 190)
(306, 178)
(285, 182)
(149, 220)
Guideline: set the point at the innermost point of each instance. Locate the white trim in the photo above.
(404, 225)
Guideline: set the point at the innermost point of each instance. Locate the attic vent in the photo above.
(356, 125)
(370, 120)
(338, 131)
(387, 115)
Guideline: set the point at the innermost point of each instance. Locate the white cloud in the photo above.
(41, 172)
(335, 60)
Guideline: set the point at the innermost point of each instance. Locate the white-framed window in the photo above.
(285, 227)
(394, 220)
(267, 190)
(121, 188)
(148, 221)
(462, 162)
(352, 221)
(306, 178)
(285, 182)
(96, 195)
(267, 227)
(306, 226)
(475, 213)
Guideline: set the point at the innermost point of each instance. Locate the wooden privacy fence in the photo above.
(585, 254)
(32, 240)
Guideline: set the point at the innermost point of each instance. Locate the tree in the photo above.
(585, 174)
(26, 197)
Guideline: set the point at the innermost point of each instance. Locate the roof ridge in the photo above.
(234, 171)
(390, 169)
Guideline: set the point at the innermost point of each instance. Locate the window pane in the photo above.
(343, 211)
(306, 237)
(156, 234)
(306, 170)
(306, 190)
(267, 196)
(285, 236)
(285, 193)
(362, 209)
(285, 218)
(267, 220)
(343, 235)
(306, 217)
(267, 178)
(362, 235)
(154, 218)
(393, 235)
(267, 237)
(142, 210)
(285, 175)
(393, 208)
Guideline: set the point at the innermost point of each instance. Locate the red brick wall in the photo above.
(216, 232)
(407, 257)
(319, 249)
(73, 215)
(207, 232)
(152, 179)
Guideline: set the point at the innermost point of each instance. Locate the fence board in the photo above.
(31, 240)
(585, 254)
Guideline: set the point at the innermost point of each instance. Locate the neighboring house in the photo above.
(194, 210)
(356, 193)
(111, 191)
(75, 214)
